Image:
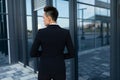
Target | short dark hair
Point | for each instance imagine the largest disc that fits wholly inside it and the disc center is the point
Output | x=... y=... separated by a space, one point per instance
x=51 y=11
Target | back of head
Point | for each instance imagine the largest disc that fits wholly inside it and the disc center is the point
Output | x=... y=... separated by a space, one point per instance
x=51 y=11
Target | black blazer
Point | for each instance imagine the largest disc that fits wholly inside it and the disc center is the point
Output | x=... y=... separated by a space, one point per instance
x=52 y=41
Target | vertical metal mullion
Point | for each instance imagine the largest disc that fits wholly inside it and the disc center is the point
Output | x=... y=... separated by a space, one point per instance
x=115 y=40
x=107 y=35
x=34 y=29
x=101 y=33
x=23 y=31
x=118 y=40
x=73 y=31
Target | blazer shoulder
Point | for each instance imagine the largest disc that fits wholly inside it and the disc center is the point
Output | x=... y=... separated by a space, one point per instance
x=41 y=30
x=65 y=30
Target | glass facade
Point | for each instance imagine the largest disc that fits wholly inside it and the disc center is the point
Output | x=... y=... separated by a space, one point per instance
x=106 y=1
x=93 y=27
x=3 y=29
x=102 y=11
x=40 y=19
x=63 y=8
x=29 y=32
x=40 y=22
x=87 y=1
x=93 y=31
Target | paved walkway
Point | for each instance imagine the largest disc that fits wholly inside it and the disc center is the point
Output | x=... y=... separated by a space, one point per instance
x=93 y=65
x=16 y=72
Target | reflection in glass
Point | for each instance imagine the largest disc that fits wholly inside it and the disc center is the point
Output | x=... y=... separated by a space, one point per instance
x=106 y=34
x=40 y=23
x=3 y=38
x=93 y=31
x=109 y=12
x=3 y=33
x=86 y=11
x=40 y=12
x=63 y=7
x=28 y=7
x=3 y=28
x=97 y=34
x=102 y=11
x=86 y=40
x=30 y=63
x=87 y=1
x=106 y=1
x=102 y=33
x=6 y=6
x=29 y=26
x=63 y=22
x=30 y=40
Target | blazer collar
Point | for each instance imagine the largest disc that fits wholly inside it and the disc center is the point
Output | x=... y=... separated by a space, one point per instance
x=53 y=26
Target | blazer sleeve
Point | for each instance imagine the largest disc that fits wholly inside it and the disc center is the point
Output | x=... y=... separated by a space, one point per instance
x=35 y=47
x=70 y=48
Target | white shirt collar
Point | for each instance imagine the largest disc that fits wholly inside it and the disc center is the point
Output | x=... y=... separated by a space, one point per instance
x=53 y=24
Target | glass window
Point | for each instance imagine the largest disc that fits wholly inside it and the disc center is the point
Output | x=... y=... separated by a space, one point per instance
x=3 y=6
x=85 y=11
x=101 y=33
x=63 y=9
x=6 y=6
x=91 y=34
x=3 y=33
x=31 y=61
x=87 y=1
x=29 y=40
x=106 y=34
x=40 y=23
x=101 y=11
x=107 y=1
x=62 y=6
x=28 y=7
x=108 y=12
x=63 y=22
x=40 y=12
x=29 y=26
x=98 y=32
x=86 y=39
